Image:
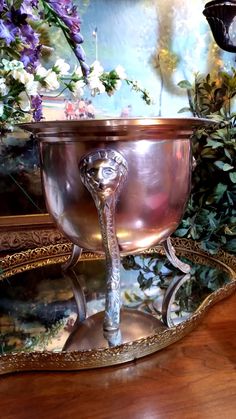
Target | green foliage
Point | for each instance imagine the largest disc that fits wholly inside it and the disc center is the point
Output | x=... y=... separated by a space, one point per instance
x=210 y=216
x=149 y=270
x=156 y=272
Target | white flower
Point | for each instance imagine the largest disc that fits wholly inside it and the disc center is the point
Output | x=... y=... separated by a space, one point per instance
x=1 y=108
x=61 y=67
x=41 y=71
x=51 y=81
x=77 y=72
x=121 y=72
x=97 y=69
x=96 y=86
x=22 y=75
x=77 y=88
x=11 y=65
x=32 y=87
x=3 y=87
x=24 y=102
x=49 y=78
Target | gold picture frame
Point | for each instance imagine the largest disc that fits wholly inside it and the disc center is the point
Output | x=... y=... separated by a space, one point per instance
x=23 y=232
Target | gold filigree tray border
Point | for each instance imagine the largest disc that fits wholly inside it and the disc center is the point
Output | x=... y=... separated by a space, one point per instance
x=78 y=360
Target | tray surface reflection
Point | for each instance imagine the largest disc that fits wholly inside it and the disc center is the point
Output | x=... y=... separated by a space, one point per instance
x=41 y=308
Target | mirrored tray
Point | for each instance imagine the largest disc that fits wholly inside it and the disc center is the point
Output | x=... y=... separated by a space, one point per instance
x=42 y=308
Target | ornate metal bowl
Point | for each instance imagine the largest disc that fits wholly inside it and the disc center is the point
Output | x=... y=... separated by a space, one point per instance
x=156 y=153
x=117 y=186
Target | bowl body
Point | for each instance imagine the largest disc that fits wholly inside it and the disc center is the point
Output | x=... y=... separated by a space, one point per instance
x=152 y=200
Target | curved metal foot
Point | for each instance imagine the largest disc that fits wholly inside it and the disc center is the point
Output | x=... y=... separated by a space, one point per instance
x=78 y=294
x=169 y=298
x=80 y=300
x=73 y=259
x=171 y=255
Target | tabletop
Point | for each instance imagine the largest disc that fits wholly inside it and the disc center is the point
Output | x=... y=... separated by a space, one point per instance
x=193 y=378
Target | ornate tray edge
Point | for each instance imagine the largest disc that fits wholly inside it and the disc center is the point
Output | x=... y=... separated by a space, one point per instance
x=37 y=361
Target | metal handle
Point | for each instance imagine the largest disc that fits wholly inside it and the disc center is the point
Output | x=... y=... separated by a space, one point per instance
x=103 y=172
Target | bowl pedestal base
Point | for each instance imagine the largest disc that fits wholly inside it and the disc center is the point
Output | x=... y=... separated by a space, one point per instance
x=134 y=325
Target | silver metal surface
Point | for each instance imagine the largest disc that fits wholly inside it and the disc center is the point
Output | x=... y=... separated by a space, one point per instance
x=73 y=259
x=103 y=173
x=78 y=293
x=134 y=325
x=153 y=198
x=170 y=296
x=171 y=255
x=135 y=211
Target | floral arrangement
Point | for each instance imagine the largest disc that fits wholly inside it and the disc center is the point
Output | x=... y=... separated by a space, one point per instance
x=23 y=79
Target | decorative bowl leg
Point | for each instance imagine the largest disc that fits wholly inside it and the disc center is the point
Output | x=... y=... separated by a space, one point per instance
x=104 y=172
x=171 y=255
x=73 y=259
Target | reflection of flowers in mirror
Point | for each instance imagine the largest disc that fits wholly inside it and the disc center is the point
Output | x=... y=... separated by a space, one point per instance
x=24 y=79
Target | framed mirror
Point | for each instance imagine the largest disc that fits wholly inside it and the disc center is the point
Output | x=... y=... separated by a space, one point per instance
x=42 y=308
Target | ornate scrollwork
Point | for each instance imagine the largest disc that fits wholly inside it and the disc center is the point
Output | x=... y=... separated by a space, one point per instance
x=27 y=239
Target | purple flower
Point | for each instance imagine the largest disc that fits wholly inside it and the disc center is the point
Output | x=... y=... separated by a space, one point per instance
x=36 y=104
x=30 y=57
x=77 y=38
x=7 y=32
x=27 y=7
x=28 y=35
x=16 y=19
x=79 y=52
x=67 y=12
x=2 y=6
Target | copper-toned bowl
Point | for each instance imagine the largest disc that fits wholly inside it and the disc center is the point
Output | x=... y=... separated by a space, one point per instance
x=118 y=186
x=153 y=197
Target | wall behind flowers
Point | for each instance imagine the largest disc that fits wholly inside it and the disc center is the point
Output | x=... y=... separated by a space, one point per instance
x=158 y=42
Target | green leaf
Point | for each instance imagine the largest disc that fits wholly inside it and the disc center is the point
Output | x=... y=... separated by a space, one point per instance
x=136 y=297
x=141 y=279
x=128 y=297
x=194 y=233
x=227 y=167
x=207 y=87
x=222 y=133
x=231 y=202
x=182 y=110
x=181 y=232
x=184 y=84
x=214 y=144
x=210 y=246
x=220 y=164
x=227 y=153
x=208 y=153
x=232 y=176
x=231 y=245
x=218 y=193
